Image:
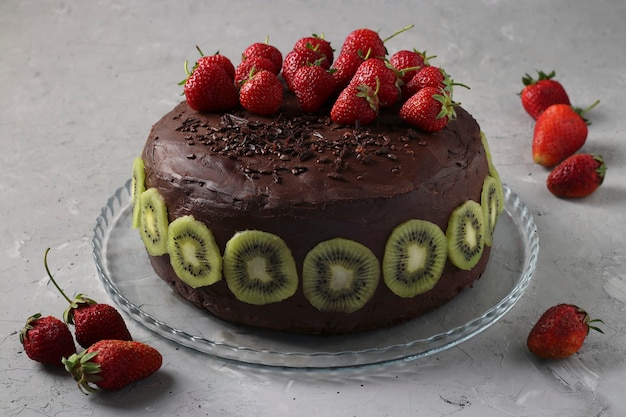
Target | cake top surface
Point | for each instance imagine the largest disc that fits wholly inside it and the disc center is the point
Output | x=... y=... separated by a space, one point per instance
x=306 y=158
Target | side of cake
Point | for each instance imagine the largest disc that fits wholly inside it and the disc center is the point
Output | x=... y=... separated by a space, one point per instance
x=298 y=222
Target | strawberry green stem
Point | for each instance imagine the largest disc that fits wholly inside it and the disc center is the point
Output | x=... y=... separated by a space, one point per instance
x=586 y=109
x=45 y=263
x=404 y=29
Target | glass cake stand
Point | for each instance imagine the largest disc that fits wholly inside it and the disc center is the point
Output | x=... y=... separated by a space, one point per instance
x=124 y=269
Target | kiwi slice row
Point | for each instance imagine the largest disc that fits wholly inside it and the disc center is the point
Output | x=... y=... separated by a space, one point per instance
x=338 y=275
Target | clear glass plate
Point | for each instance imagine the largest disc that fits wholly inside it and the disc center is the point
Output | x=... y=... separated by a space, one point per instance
x=124 y=268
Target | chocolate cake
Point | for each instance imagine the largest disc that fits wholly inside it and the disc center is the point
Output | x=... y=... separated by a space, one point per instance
x=295 y=223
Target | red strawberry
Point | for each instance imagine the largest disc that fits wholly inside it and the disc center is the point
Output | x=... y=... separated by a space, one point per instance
x=262 y=93
x=47 y=340
x=297 y=58
x=428 y=76
x=559 y=132
x=542 y=93
x=366 y=42
x=577 y=176
x=377 y=71
x=209 y=88
x=560 y=332
x=345 y=67
x=265 y=50
x=313 y=85
x=250 y=65
x=429 y=109
x=221 y=60
x=319 y=44
x=113 y=364
x=408 y=62
x=356 y=105
x=92 y=321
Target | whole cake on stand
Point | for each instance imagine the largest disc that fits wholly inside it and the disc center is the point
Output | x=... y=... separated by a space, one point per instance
x=295 y=219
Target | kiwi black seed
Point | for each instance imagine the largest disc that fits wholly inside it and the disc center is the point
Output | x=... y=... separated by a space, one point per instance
x=154 y=222
x=137 y=187
x=492 y=205
x=466 y=235
x=194 y=255
x=415 y=255
x=259 y=268
x=340 y=275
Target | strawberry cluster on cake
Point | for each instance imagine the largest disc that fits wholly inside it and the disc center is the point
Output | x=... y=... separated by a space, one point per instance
x=319 y=192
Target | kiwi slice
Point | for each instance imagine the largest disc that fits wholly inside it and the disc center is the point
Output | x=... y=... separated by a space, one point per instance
x=466 y=235
x=483 y=139
x=137 y=187
x=340 y=275
x=259 y=268
x=493 y=172
x=492 y=206
x=415 y=255
x=194 y=255
x=154 y=222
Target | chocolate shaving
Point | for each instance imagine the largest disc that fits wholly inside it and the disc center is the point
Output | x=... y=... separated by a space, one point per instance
x=293 y=140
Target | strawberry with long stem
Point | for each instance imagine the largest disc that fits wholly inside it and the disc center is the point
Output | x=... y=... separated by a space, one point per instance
x=92 y=321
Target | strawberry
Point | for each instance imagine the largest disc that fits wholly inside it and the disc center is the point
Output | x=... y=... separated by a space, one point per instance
x=542 y=93
x=47 y=339
x=209 y=88
x=345 y=67
x=559 y=132
x=560 y=332
x=313 y=85
x=297 y=58
x=250 y=65
x=356 y=105
x=92 y=321
x=262 y=93
x=428 y=76
x=112 y=364
x=221 y=60
x=429 y=109
x=577 y=176
x=319 y=44
x=265 y=50
x=409 y=63
x=366 y=42
x=377 y=71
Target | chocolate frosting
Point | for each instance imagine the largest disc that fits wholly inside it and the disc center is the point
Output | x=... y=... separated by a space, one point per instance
x=307 y=180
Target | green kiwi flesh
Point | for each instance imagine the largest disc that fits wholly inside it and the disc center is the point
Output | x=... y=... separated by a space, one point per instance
x=493 y=172
x=492 y=206
x=415 y=255
x=466 y=235
x=259 y=268
x=340 y=275
x=154 y=222
x=137 y=188
x=194 y=255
